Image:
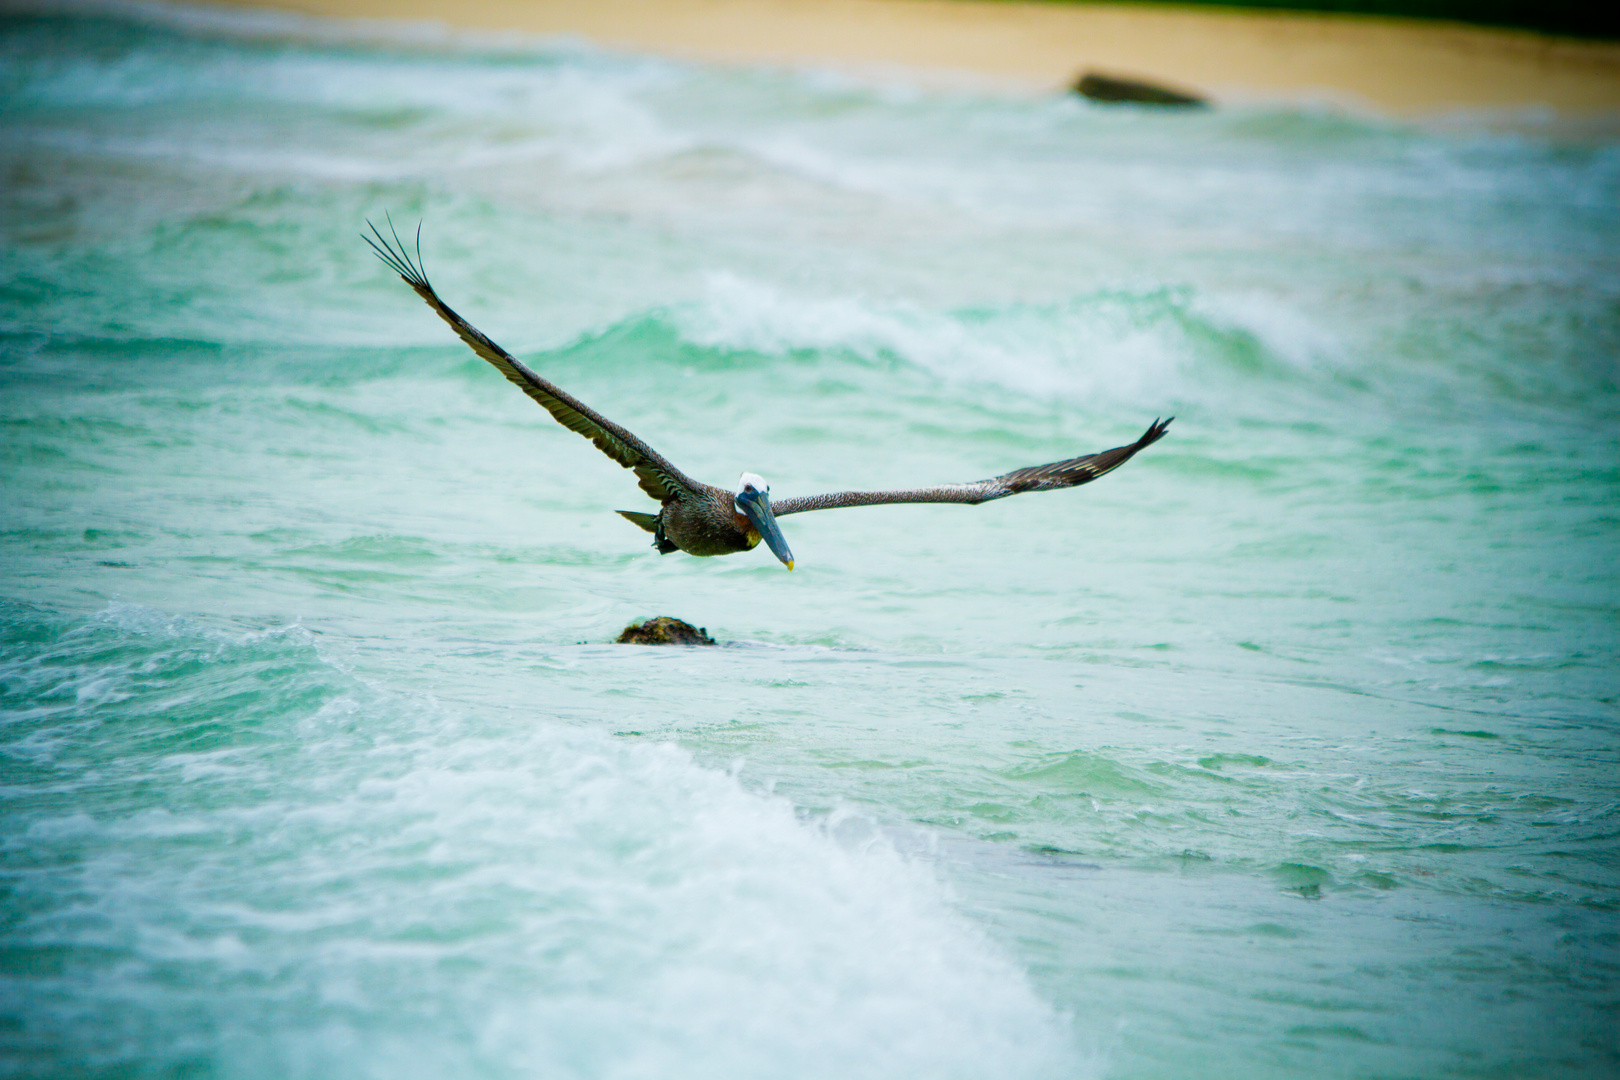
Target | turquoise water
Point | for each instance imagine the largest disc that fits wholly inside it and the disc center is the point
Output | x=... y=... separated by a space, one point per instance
x=1287 y=750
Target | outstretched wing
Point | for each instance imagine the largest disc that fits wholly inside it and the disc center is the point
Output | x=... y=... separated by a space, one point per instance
x=658 y=477
x=1059 y=474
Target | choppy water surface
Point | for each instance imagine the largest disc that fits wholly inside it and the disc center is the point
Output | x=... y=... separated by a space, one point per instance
x=1287 y=750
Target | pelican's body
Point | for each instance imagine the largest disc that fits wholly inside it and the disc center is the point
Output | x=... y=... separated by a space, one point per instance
x=704 y=521
x=707 y=523
x=701 y=519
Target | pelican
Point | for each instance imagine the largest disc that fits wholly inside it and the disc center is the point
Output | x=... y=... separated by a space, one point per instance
x=701 y=519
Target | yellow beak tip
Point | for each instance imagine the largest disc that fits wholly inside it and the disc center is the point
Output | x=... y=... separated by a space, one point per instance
x=790 y=564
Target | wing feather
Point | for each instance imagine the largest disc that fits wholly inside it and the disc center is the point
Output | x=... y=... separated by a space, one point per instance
x=658 y=478
x=1058 y=474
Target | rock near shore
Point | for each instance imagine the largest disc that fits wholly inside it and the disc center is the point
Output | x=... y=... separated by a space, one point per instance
x=1115 y=90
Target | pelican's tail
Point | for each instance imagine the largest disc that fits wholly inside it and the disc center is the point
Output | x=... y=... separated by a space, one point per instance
x=651 y=523
x=646 y=521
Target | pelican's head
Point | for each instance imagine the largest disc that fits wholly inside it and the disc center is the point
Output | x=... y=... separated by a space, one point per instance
x=754 y=502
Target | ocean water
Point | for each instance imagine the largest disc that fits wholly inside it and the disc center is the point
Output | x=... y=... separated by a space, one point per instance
x=1289 y=749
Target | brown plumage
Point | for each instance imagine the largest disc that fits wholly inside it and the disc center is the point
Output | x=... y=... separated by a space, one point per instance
x=701 y=519
x=1059 y=474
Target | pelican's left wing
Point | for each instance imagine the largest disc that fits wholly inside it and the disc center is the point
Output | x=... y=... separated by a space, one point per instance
x=1058 y=474
x=658 y=477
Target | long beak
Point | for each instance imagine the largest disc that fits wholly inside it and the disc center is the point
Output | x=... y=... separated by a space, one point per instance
x=757 y=507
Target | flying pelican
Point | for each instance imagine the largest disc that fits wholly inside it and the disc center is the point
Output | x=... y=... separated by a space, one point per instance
x=701 y=519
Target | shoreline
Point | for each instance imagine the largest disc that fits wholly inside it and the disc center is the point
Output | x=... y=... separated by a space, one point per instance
x=1406 y=68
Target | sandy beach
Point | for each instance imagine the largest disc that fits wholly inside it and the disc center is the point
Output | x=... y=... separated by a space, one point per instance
x=1395 y=66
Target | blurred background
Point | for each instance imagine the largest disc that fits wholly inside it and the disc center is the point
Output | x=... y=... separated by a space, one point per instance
x=1287 y=749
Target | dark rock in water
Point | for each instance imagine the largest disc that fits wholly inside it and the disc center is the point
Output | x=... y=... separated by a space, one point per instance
x=1107 y=88
x=665 y=631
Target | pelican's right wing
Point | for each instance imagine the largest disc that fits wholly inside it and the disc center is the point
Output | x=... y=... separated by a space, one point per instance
x=1059 y=474
x=658 y=477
